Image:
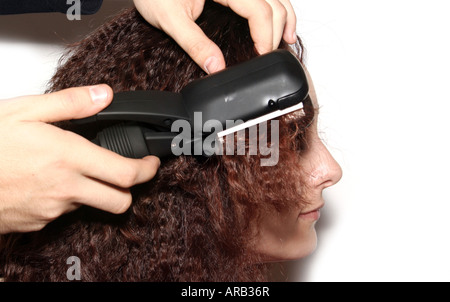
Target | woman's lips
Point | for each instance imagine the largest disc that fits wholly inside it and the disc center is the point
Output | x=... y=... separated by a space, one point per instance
x=311 y=215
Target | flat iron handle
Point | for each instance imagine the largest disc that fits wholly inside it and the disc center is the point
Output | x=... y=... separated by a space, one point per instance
x=158 y=108
x=134 y=141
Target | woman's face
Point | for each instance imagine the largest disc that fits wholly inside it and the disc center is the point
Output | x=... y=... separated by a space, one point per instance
x=291 y=234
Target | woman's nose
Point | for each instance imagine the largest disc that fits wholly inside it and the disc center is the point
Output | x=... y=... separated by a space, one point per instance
x=325 y=170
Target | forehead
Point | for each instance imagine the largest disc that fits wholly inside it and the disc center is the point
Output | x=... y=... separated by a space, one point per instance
x=312 y=90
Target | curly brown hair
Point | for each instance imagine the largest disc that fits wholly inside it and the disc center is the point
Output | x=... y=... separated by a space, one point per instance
x=197 y=219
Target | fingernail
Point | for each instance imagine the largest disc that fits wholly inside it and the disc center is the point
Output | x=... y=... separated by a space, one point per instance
x=211 y=65
x=99 y=94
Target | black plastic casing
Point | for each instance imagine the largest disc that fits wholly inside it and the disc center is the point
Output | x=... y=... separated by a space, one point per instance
x=267 y=83
x=248 y=90
x=241 y=92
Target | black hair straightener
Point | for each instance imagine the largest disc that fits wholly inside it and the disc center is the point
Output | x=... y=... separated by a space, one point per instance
x=260 y=89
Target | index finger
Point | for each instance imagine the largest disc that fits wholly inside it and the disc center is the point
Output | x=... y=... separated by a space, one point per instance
x=289 y=34
x=107 y=166
x=195 y=42
x=260 y=20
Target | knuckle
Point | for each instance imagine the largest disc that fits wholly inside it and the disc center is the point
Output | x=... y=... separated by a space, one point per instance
x=266 y=11
x=290 y=13
x=282 y=12
x=127 y=177
x=51 y=213
x=195 y=49
x=124 y=205
x=62 y=193
x=59 y=163
x=69 y=101
x=38 y=227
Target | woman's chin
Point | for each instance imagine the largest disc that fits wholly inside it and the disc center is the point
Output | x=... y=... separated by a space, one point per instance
x=292 y=251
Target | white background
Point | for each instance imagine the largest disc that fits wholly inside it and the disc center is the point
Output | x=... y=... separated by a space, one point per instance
x=381 y=71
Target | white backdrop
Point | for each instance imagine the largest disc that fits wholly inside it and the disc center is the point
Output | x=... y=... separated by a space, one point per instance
x=381 y=70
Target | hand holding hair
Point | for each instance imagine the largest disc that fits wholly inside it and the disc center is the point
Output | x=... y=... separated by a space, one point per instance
x=46 y=171
x=269 y=21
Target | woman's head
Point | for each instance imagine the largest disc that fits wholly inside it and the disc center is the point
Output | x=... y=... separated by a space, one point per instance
x=290 y=234
x=199 y=219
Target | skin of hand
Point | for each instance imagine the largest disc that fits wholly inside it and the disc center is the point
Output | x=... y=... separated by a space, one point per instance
x=46 y=171
x=269 y=22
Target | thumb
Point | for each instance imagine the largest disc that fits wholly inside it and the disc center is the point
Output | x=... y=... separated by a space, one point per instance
x=72 y=103
x=197 y=45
